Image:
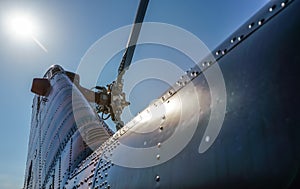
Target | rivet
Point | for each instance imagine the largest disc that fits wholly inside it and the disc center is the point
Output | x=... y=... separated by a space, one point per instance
x=282 y=4
x=272 y=8
x=157 y=178
x=251 y=25
x=232 y=40
x=159 y=145
x=224 y=51
x=261 y=22
x=157 y=156
x=161 y=128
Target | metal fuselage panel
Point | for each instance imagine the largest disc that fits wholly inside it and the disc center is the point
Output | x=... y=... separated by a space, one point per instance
x=56 y=146
x=257 y=147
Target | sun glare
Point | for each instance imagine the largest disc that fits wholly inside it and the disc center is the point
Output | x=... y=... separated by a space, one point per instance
x=21 y=25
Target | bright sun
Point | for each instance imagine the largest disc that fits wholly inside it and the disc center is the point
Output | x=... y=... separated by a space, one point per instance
x=21 y=25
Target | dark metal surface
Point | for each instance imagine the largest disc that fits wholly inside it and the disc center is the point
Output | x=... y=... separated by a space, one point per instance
x=258 y=146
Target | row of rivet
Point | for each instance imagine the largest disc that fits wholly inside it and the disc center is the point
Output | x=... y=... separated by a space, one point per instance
x=250 y=26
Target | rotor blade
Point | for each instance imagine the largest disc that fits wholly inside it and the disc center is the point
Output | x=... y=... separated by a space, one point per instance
x=135 y=31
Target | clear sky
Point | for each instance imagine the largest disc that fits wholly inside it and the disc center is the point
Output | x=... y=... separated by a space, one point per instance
x=67 y=29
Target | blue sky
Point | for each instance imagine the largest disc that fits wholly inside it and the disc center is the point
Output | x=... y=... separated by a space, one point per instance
x=67 y=29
